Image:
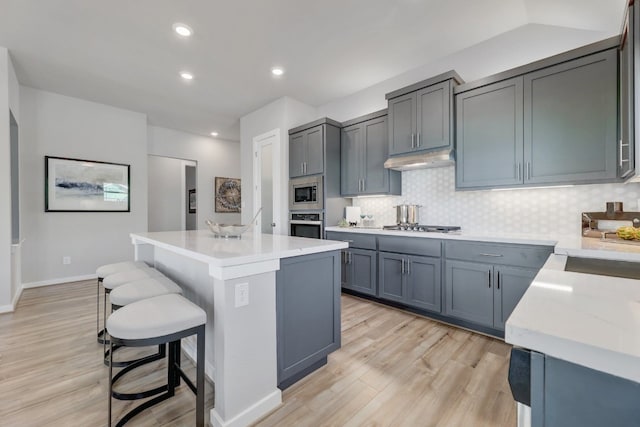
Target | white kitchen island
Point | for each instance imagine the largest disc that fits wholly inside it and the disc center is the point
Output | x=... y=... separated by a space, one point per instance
x=234 y=280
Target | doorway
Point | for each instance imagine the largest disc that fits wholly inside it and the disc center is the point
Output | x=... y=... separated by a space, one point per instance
x=266 y=182
x=172 y=203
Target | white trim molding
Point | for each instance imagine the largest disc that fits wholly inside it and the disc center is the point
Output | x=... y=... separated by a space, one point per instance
x=58 y=281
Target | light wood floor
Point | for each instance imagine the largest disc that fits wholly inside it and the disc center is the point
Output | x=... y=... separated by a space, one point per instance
x=394 y=369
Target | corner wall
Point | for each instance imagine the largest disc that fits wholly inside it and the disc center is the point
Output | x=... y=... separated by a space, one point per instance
x=5 y=186
x=215 y=157
x=57 y=125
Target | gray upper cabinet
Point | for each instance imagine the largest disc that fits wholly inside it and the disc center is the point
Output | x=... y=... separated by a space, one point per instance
x=402 y=128
x=551 y=122
x=421 y=115
x=489 y=135
x=433 y=113
x=626 y=148
x=306 y=152
x=570 y=121
x=363 y=150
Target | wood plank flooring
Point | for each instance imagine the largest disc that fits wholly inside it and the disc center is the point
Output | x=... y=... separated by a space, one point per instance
x=394 y=369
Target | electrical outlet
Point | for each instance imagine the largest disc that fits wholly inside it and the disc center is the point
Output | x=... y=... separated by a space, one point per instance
x=242 y=294
x=66 y=260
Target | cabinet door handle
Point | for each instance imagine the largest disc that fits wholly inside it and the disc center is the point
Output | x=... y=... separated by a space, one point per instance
x=491 y=255
x=402 y=266
x=302 y=168
x=364 y=185
x=529 y=170
x=498 y=278
x=408 y=267
x=350 y=254
x=489 y=278
x=418 y=140
x=413 y=140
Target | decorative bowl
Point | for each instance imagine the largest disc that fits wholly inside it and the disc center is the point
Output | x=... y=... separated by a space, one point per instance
x=230 y=230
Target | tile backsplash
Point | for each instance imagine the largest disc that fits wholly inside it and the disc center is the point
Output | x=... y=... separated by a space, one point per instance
x=535 y=211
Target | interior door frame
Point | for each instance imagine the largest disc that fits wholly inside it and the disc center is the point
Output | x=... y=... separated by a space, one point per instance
x=268 y=138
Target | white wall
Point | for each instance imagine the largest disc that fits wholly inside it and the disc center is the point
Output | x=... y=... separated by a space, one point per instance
x=62 y=126
x=214 y=157
x=511 y=49
x=165 y=193
x=284 y=113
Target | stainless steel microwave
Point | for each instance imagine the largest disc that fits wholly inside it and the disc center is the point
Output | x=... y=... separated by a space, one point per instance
x=306 y=193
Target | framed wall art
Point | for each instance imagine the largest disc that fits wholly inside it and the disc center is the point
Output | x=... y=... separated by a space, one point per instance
x=75 y=185
x=227 y=194
x=192 y=201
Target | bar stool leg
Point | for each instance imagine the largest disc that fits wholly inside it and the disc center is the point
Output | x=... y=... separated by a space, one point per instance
x=200 y=378
x=110 y=382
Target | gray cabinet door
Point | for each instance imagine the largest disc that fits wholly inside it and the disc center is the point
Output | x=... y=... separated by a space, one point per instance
x=434 y=116
x=375 y=151
x=423 y=283
x=469 y=291
x=489 y=135
x=296 y=154
x=314 y=151
x=510 y=285
x=570 y=121
x=402 y=124
x=363 y=269
x=307 y=311
x=392 y=284
x=350 y=160
x=626 y=149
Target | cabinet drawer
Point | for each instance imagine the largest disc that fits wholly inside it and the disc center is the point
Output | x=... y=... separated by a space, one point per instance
x=355 y=240
x=410 y=245
x=507 y=254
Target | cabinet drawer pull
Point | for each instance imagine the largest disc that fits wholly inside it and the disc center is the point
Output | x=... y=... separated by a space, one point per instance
x=491 y=255
x=348 y=241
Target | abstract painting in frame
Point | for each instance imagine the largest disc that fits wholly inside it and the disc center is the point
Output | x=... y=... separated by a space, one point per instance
x=76 y=185
x=228 y=195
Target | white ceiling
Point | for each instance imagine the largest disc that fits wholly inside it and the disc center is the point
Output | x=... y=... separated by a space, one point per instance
x=124 y=53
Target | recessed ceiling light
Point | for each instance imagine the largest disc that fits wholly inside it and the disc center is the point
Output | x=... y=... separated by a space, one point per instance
x=186 y=75
x=214 y=133
x=277 y=71
x=182 y=30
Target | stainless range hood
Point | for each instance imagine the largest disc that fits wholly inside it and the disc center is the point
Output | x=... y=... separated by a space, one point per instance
x=432 y=159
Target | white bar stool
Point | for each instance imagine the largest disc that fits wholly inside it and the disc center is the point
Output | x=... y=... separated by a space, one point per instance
x=104 y=271
x=145 y=323
x=135 y=291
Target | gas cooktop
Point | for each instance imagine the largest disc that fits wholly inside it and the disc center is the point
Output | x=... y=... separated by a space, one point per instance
x=423 y=228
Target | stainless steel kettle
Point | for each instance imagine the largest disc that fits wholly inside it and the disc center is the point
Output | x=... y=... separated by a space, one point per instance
x=407 y=214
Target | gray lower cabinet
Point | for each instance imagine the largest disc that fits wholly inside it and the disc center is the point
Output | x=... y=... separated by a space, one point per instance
x=412 y=280
x=469 y=291
x=485 y=281
x=359 y=270
x=364 y=147
x=308 y=313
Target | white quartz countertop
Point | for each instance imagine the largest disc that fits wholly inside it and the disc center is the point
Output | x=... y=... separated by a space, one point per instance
x=587 y=319
x=571 y=245
x=251 y=248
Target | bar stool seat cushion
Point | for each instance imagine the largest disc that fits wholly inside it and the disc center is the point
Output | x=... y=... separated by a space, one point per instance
x=115 y=280
x=118 y=267
x=155 y=317
x=143 y=289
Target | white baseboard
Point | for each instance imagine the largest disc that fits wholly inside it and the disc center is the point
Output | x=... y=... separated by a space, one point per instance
x=17 y=296
x=6 y=308
x=251 y=414
x=9 y=308
x=58 y=281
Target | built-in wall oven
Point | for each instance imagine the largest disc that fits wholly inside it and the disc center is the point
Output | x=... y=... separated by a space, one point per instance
x=307 y=225
x=306 y=194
